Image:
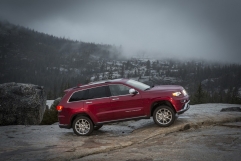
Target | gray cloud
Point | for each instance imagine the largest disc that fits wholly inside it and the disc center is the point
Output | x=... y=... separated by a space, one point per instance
x=208 y=29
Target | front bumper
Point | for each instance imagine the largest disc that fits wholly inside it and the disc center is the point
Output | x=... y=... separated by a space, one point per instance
x=185 y=108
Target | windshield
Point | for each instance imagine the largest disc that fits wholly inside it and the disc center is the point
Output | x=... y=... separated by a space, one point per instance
x=138 y=85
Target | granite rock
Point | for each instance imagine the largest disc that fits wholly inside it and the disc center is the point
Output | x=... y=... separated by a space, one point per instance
x=21 y=104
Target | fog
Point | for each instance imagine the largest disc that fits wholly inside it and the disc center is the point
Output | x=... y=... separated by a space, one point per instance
x=207 y=29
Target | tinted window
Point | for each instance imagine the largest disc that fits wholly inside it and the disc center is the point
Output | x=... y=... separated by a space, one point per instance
x=77 y=96
x=119 y=89
x=98 y=92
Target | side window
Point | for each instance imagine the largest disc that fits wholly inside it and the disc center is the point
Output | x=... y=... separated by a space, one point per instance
x=78 y=96
x=119 y=89
x=98 y=92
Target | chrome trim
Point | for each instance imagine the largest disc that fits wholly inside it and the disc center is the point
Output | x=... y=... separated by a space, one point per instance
x=101 y=97
x=131 y=118
x=124 y=95
x=88 y=99
x=137 y=110
x=63 y=124
x=186 y=107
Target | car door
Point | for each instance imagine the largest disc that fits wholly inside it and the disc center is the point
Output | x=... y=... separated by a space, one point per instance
x=98 y=103
x=124 y=104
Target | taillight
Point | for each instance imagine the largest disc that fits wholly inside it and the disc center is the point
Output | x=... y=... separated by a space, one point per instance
x=59 y=108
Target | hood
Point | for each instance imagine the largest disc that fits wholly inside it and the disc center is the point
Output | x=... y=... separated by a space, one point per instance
x=166 y=88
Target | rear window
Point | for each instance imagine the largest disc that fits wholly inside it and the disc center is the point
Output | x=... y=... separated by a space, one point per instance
x=78 y=96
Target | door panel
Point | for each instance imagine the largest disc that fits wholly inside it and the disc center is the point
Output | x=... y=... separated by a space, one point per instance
x=100 y=108
x=98 y=103
x=125 y=105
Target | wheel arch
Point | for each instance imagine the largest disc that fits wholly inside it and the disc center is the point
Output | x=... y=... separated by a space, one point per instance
x=80 y=114
x=160 y=103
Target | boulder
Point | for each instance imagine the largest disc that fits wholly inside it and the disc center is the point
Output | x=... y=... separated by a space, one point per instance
x=21 y=104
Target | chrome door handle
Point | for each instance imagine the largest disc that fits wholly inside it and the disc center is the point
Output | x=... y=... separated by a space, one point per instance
x=115 y=99
x=88 y=102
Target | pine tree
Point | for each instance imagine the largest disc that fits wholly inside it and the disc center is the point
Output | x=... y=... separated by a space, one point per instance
x=127 y=64
x=135 y=73
x=235 y=96
x=110 y=74
x=51 y=114
x=148 y=64
x=55 y=92
x=228 y=98
x=123 y=71
x=49 y=95
x=199 y=96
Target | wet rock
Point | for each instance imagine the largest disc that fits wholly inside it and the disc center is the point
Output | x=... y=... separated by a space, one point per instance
x=228 y=109
x=21 y=104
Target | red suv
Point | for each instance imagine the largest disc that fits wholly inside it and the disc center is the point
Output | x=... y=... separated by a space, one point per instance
x=88 y=107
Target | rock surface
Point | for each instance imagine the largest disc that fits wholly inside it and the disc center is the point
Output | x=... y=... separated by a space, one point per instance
x=210 y=143
x=21 y=104
x=50 y=143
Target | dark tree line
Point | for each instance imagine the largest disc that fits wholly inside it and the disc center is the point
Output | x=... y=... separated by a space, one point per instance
x=203 y=96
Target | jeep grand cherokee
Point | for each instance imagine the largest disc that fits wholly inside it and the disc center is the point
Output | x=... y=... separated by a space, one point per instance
x=88 y=107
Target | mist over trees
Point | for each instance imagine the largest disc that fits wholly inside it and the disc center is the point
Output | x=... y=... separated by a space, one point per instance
x=27 y=56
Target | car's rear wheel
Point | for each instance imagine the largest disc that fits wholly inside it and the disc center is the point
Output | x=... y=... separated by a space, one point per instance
x=82 y=126
x=164 y=116
x=97 y=127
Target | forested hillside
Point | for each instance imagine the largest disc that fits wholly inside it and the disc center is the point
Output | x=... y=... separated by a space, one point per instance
x=27 y=56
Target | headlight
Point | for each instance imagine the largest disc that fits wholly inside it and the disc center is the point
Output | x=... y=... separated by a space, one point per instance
x=184 y=92
x=176 y=94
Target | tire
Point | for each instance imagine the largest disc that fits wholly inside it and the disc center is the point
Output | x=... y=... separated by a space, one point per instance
x=97 y=127
x=82 y=126
x=164 y=116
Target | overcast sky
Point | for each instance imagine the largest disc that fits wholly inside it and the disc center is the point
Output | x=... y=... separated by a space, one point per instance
x=208 y=29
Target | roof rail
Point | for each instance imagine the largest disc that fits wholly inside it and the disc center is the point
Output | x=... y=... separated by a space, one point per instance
x=96 y=82
x=104 y=81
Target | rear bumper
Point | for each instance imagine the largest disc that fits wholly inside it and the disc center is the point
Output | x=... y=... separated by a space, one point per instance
x=185 y=108
x=64 y=126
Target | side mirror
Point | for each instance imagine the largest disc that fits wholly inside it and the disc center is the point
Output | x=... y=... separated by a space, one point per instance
x=132 y=91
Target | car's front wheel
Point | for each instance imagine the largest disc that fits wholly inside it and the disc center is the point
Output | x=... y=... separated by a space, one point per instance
x=164 y=116
x=82 y=126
